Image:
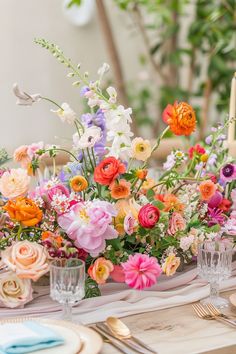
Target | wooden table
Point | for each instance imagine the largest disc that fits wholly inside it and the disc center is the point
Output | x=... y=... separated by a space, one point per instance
x=179 y=331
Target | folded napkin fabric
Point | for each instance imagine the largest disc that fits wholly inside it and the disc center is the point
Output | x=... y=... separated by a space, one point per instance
x=26 y=337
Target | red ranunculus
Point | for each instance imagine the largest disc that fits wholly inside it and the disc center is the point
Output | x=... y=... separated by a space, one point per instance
x=197 y=149
x=108 y=170
x=148 y=216
x=225 y=205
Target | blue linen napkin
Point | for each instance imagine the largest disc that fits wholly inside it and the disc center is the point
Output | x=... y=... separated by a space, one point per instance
x=25 y=337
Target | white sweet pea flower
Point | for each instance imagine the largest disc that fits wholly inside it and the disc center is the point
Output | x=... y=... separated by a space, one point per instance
x=103 y=69
x=112 y=94
x=66 y=114
x=23 y=98
x=88 y=139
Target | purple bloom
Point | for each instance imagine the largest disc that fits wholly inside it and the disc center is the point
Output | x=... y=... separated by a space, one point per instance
x=228 y=173
x=208 y=139
x=212 y=159
x=97 y=120
x=83 y=90
x=70 y=170
x=215 y=216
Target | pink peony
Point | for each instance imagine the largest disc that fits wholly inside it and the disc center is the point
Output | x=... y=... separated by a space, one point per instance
x=58 y=189
x=89 y=224
x=148 y=216
x=176 y=223
x=141 y=271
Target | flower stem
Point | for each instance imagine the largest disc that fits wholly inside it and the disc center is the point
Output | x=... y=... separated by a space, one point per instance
x=49 y=100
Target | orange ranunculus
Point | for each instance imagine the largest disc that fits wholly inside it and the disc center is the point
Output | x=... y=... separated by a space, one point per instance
x=141 y=174
x=207 y=189
x=180 y=117
x=171 y=202
x=108 y=170
x=120 y=189
x=24 y=210
x=78 y=183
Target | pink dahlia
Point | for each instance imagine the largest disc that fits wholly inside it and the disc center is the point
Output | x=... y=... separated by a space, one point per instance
x=141 y=271
x=89 y=224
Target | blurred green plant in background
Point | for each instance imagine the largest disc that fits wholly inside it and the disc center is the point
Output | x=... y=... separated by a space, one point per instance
x=181 y=37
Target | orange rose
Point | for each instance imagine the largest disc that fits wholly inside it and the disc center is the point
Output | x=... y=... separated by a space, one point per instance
x=78 y=183
x=180 y=117
x=207 y=189
x=24 y=210
x=120 y=189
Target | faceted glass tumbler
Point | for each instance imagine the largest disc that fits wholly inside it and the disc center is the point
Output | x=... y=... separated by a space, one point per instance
x=214 y=264
x=67 y=283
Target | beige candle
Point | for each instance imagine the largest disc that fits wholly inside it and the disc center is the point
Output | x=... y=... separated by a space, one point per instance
x=232 y=110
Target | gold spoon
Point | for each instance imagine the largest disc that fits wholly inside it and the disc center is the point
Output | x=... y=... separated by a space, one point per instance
x=120 y=330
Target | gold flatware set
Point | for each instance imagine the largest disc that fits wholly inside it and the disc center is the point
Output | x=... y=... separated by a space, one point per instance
x=115 y=332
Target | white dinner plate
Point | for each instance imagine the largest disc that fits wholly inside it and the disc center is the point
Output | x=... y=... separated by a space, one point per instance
x=78 y=339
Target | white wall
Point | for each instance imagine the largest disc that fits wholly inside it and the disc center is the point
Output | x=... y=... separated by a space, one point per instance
x=37 y=71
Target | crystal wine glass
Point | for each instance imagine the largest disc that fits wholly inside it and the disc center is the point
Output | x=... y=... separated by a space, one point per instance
x=67 y=283
x=214 y=264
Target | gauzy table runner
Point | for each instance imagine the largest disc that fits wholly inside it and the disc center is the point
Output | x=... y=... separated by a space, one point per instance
x=119 y=300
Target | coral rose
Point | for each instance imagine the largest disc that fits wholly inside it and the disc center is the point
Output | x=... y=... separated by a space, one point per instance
x=24 y=210
x=14 y=183
x=171 y=202
x=141 y=271
x=207 y=189
x=148 y=216
x=176 y=223
x=141 y=149
x=78 y=183
x=21 y=155
x=180 y=117
x=29 y=260
x=14 y=292
x=171 y=264
x=100 y=270
x=108 y=170
x=120 y=189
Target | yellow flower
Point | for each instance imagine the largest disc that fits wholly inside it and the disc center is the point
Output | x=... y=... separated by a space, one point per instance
x=171 y=264
x=204 y=158
x=78 y=183
x=141 y=149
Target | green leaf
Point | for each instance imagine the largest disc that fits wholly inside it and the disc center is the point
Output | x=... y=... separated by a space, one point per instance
x=158 y=204
x=91 y=288
x=150 y=194
x=74 y=2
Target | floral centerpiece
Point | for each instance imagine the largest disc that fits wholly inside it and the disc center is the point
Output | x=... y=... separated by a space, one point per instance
x=105 y=206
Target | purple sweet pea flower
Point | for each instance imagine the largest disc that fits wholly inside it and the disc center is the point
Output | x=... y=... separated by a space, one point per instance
x=83 y=90
x=208 y=139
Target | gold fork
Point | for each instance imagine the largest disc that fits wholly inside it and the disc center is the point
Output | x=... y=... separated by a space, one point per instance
x=204 y=314
x=214 y=311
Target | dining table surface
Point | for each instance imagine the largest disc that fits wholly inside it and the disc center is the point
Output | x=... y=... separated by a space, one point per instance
x=178 y=330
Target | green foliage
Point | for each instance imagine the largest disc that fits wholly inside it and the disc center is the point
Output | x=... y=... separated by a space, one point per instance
x=74 y=2
x=209 y=38
x=91 y=288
